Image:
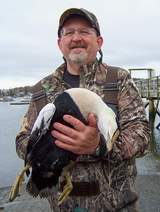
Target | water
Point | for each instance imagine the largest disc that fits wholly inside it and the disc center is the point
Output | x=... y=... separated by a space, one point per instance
x=10 y=119
x=10 y=165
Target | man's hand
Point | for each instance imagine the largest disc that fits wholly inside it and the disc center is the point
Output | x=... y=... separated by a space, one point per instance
x=80 y=140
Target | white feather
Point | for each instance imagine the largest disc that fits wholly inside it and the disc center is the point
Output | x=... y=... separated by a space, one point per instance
x=44 y=117
x=90 y=102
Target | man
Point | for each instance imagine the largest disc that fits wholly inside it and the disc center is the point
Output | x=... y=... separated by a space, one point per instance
x=109 y=176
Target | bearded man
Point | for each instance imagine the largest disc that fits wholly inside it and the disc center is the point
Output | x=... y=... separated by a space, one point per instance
x=109 y=176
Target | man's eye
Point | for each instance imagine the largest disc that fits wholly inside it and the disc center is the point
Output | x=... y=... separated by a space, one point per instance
x=69 y=33
x=84 y=32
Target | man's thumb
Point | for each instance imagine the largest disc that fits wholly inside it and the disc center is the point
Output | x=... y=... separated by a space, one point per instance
x=92 y=121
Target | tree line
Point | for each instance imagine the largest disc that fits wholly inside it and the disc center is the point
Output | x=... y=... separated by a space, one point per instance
x=17 y=91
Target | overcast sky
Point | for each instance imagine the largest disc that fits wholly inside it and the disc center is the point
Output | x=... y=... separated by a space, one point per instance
x=28 y=36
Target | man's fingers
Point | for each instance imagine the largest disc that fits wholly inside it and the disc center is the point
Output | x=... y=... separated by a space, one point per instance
x=77 y=124
x=62 y=137
x=64 y=129
x=64 y=146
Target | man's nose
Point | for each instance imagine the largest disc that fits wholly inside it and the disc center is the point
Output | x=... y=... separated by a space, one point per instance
x=76 y=36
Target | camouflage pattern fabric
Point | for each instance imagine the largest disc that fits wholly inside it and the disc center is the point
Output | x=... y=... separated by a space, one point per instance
x=116 y=172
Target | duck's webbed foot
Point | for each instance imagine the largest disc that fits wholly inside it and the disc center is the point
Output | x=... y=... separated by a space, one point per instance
x=68 y=186
x=15 y=189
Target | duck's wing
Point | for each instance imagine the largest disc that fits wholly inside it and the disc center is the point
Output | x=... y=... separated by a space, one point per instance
x=40 y=128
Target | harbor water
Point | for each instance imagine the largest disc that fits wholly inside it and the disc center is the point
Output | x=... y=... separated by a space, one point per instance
x=10 y=119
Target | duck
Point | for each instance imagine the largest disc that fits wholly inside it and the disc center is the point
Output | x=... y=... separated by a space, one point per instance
x=44 y=158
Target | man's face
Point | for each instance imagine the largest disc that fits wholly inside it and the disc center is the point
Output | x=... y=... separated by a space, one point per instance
x=79 y=42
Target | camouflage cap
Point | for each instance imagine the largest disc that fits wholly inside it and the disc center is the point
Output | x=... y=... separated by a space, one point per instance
x=90 y=17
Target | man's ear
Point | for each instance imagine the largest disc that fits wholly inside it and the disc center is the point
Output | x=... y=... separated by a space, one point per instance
x=59 y=42
x=99 y=41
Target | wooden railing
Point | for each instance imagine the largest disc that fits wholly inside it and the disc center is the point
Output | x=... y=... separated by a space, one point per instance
x=149 y=88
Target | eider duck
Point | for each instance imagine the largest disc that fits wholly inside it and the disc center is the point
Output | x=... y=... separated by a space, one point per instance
x=48 y=161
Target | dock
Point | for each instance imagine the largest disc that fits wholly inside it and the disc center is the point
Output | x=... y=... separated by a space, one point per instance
x=147 y=188
x=149 y=90
x=19 y=103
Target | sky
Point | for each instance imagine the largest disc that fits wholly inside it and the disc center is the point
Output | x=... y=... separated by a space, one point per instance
x=28 y=36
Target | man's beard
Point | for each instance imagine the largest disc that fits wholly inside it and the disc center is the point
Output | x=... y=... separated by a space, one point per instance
x=78 y=59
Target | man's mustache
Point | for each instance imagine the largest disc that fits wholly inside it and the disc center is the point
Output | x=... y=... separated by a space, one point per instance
x=72 y=46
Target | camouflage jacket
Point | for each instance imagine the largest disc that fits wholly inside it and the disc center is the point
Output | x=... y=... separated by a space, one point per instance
x=116 y=172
